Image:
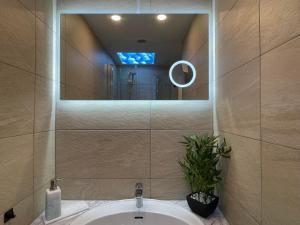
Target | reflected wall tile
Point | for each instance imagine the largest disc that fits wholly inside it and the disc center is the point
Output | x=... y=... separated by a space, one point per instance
x=101 y=189
x=180 y=115
x=17 y=45
x=16 y=170
x=173 y=189
x=44 y=105
x=81 y=37
x=180 y=6
x=76 y=65
x=238 y=39
x=44 y=158
x=281 y=183
x=75 y=93
x=16 y=100
x=280 y=21
x=196 y=37
x=103 y=154
x=281 y=94
x=103 y=115
x=238 y=101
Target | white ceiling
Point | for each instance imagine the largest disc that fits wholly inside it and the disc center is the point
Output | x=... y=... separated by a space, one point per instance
x=164 y=38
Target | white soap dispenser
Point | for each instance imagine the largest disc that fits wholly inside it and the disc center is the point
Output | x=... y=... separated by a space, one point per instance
x=53 y=201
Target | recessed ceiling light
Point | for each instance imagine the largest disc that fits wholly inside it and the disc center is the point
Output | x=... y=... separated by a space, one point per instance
x=116 y=17
x=161 y=17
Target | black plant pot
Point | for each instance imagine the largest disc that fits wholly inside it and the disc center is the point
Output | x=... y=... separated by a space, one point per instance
x=203 y=210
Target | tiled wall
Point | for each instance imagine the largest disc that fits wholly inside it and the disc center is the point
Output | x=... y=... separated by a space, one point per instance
x=258 y=108
x=27 y=112
x=104 y=148
x=81 y=53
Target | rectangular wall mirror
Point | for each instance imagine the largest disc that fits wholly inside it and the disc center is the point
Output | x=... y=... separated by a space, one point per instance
x=134 y=57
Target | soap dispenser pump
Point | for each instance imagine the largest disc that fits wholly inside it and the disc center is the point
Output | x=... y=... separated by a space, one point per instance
x=53 y=201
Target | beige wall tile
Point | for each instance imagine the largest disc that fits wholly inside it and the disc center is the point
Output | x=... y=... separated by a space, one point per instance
x=166 y=151
x=103 y=115
x=44 y=105
x=24 y=212
x=181 y=115
x=40 y=200
x=103 y=154
x=44 y=158
x=44 y=11
x=44 y=50
x=223 y=8
x=103 y=189
x=17 y=45
x=174 y=189
x=1 y=219
x=234 y=212
x=280 y=185
x=238 y=39
x=29 y=4
x=16 y=170
x=242 y=173
x=280 y=21
x=238 y=101
x=280 y=95
x=16 y=100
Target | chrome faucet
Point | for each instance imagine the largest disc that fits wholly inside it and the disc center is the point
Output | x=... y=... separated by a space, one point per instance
x=139 y=195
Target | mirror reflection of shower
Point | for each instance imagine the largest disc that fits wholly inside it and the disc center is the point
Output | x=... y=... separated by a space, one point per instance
x=131 y=59
x=131 y=83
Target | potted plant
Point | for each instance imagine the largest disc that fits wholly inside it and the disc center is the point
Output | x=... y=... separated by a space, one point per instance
x=200 y=167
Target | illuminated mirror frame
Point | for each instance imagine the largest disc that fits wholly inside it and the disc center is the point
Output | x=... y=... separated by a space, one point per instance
x=193 y=76
x=58 y=10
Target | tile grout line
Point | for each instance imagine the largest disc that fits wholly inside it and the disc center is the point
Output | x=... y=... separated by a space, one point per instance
x=256 y=57
x=34 y=108
x=18 y=67
x=263 y=141
x=222 y=20
x=260 y=113
x=281 y=44
x=260 y=105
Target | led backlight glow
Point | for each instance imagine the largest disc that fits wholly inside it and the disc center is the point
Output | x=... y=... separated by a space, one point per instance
x=134 y=58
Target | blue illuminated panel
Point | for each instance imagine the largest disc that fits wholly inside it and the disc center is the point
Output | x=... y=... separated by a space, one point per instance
x=133 y=58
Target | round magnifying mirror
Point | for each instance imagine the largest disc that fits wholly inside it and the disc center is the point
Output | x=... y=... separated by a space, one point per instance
x=182 y=74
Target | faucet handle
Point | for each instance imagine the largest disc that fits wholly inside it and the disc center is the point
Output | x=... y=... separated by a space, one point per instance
x=139 y=186
x=139 y=190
